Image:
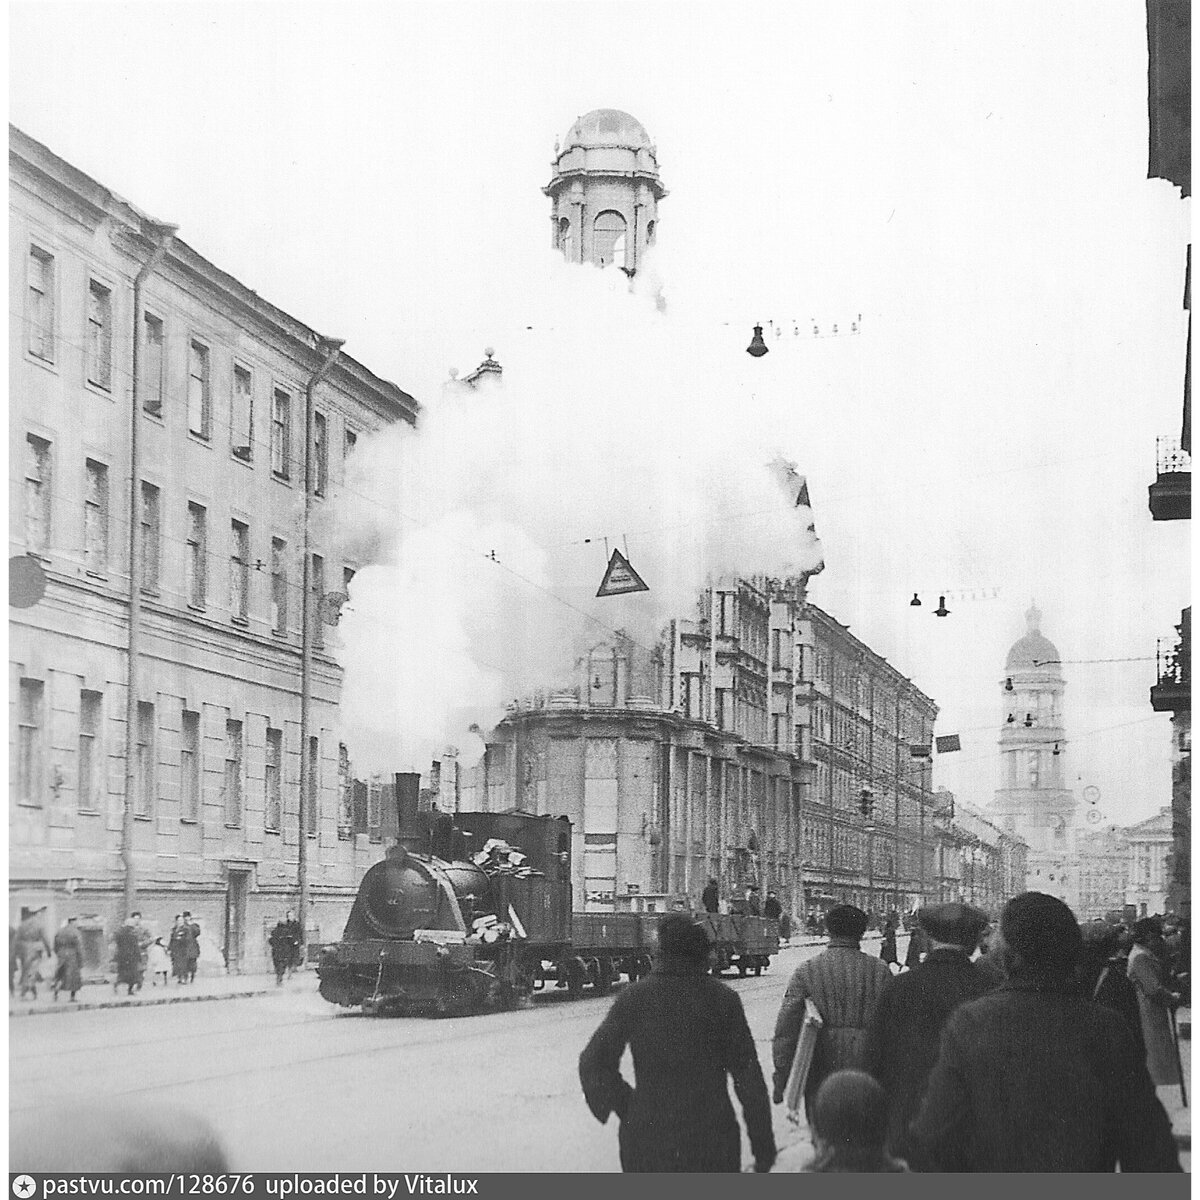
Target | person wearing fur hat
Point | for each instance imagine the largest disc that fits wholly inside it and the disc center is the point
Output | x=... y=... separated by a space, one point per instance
x=902 y=1039
x=687 y=1033
x=1034 y=1077
x=850 y=1126
x=845 y=985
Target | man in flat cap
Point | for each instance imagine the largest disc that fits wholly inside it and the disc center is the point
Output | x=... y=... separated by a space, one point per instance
x=844 y=984
x=1034 y=1076
x=902 y=1039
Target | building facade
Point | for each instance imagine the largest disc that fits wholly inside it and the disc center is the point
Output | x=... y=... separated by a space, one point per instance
x=1033 y=801
x=1103 y=873
x=1150 y=851
x=216 y=520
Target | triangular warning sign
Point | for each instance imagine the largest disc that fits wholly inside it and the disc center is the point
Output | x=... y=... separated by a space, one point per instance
x=620 y=577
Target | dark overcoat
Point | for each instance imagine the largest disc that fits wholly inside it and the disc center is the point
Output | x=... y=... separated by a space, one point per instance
x=1034 y=1077
x=845 y=985
x=902 y=1039
x=68 y=950
x=687 y=1033
x=130 y=964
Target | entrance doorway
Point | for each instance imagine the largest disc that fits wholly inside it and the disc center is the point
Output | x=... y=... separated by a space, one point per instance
x=236 y=895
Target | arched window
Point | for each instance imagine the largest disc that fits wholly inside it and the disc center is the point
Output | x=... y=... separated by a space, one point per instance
x=608 y=239
x=564 y=237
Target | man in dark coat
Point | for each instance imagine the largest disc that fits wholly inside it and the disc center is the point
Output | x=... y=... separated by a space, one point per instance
x=687 y=1033
x=190 y=944
x=902 y=1039
x=297 y=936
x=131 y=964
x=1032 y=1076
x=887 y=945
x=68 y=950
x=710 y=897
x=1156 y=1001
x=32 y=946
x=845 y=985
x=177 y=950
x=283 y=948
x=772 y=909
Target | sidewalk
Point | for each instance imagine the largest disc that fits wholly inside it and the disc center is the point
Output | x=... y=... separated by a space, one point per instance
x=206 y=987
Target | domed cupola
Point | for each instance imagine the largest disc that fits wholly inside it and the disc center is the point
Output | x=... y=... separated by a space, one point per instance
x=605 y=191
x=1033 y=652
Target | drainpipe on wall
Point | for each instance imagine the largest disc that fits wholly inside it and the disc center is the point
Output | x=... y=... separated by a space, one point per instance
x=329 y=348
x=162 y=234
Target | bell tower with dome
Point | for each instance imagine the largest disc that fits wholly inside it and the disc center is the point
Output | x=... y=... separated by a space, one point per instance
x=1032 y=800
x=605 y=191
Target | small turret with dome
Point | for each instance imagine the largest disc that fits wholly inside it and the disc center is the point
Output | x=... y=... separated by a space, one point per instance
x=605 y=191
x=1033 y=652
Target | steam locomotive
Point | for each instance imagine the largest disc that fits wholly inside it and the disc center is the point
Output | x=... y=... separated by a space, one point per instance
x=473 y=912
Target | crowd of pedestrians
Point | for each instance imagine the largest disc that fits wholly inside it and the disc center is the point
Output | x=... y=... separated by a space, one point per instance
x=1033 y=1045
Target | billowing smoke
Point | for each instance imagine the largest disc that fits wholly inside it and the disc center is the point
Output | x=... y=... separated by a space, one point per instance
x=617 y=419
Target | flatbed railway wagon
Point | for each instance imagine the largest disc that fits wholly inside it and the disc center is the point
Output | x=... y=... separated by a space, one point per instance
x=433 y=930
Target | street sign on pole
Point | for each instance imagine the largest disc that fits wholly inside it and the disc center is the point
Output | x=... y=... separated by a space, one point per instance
x=620 y=578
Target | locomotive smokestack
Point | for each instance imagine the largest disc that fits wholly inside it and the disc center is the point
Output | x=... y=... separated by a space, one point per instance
x=410 y=834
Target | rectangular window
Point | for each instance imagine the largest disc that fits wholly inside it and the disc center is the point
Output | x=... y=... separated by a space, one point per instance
x=152 y=380
x=239 y=571
x=95 y=517
x=189 y=767
x=151 y=539
x=279 y=585
x=91 y=751
x=41 y=304
x=318 y=592
x=37 y=494
x=144 y=761
x=345 y=793
x=29 y=741
x=314 y=785
x=320 y=451
x=281 y=434
x=99 y=340
x=233 y=773
x=272 y=782
x=348 y=444
x=242 y=422
x=199 y=395
x=197 y=554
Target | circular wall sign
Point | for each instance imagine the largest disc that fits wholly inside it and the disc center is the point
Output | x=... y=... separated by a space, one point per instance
x=26 y=581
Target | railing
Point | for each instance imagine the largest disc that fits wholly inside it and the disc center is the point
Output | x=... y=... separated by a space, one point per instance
x=1171 y=458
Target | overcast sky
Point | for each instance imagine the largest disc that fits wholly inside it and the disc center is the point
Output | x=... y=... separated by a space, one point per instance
x=969 y=178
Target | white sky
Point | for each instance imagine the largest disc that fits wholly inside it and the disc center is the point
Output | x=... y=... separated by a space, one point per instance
x=969 y=178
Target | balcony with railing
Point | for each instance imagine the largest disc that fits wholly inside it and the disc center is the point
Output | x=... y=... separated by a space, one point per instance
x=1171 y=492
x=1173 y=691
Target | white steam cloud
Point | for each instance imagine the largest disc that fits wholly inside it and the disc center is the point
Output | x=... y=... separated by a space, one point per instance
x=487 y=525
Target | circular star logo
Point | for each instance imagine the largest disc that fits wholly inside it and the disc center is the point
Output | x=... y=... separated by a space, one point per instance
x=24 y=1187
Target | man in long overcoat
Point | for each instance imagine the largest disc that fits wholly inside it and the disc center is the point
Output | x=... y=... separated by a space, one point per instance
x=710 y=897
x=688 y=1034
x=1155 y=1000
x=283 y=948
x=68 y=950
x=176 y=949
x=845 y=985
x=190 y=944
x=131 y=963
x=902 y=1039
x=1034 y=1077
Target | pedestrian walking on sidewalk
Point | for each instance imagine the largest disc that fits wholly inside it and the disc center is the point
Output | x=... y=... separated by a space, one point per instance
x=887 y=946
x=902 y=1039
x=131 y=966
x=68 y=953
x=158 y=962
x=177 y=950
x=688 y=1034
x=32 y=947
x=1034 y=1077
x=190 y=944
x=283 y=948
x=1156 y=1001
x=710 y=897
x=296 y=933
x=850 y=1126
x=845 y=985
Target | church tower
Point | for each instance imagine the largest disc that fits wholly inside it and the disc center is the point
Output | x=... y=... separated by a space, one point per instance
x=605 y=191
x=1032 y=800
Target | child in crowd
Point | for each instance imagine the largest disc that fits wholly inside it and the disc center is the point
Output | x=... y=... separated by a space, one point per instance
x=158 y=962
x=850 y=1124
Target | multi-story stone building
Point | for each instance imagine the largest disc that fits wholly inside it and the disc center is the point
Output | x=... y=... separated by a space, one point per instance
x=977 y=861
x=1103 y=873
x=1173 y=693
x=1150 y=850
x=215 y=517
x=1033 y=801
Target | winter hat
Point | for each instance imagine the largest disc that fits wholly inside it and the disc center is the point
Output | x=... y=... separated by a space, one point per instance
x=1043 y=931
x=844 y=920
